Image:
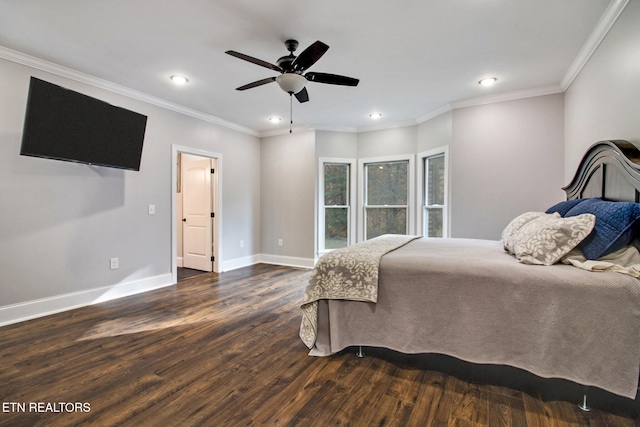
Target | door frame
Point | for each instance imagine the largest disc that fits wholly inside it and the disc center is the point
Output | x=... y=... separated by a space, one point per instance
x=217 y=205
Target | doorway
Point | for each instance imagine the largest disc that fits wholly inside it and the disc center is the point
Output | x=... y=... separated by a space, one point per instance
x=196 y=209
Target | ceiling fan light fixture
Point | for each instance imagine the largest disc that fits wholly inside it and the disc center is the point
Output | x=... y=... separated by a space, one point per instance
x=291 y=83
x=488 y=81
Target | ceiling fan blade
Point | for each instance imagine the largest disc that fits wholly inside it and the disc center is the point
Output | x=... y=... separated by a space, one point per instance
x=303 y=95
x=332 y=79
x=258 y=83
x=309 y=56
x=255 y=60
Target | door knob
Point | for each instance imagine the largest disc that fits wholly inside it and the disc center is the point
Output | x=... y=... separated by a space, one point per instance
x=184 y=219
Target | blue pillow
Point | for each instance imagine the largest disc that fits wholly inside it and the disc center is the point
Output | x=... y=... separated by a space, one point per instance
x=563 y=207
x=616 y=225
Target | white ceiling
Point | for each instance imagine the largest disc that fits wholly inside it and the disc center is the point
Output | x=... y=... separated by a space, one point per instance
x=413 y=57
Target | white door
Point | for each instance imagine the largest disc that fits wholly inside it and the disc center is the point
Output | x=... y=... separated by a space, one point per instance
x=197 y=230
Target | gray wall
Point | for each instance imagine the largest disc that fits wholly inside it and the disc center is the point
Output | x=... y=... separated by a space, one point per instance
x=506 y=159
x=337 y=144
x=61 y=222
x=436 y=132
x=287 y=188
x=387 y=142
x=603 y=102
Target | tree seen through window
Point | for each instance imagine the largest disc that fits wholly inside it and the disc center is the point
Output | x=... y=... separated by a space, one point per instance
x=387 y=194
x=336 y=205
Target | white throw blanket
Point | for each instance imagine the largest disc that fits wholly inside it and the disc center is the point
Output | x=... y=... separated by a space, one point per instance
x=625 y=261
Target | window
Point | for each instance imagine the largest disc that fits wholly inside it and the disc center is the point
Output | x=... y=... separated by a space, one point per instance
x=434 y=193
x=336 y=195
x=386 y=198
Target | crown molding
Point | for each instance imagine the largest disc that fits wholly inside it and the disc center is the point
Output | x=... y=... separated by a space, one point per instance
x=283 y=131
x=385 y=126
x=433 y=114
x=59 y=70
x=609 y=17
x=305 y=128
x=491 y=99
x=508 y=96
x=345 y=129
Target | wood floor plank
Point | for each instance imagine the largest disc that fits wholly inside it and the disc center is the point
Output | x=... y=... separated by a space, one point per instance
x=537 y=413
x=473 y=407
x=429 y=399
x=223 y=349
x=286 y=396
x=356 y=409
x=339 y=387
x=506 y=411
x=397 y=403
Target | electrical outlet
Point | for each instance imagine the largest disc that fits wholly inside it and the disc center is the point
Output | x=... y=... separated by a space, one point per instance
x=152 y=209
x=113 y=263
x=280 y=243
x=242 y=243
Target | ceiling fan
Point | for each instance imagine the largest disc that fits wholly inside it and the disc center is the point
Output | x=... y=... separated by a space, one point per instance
x=292 y=78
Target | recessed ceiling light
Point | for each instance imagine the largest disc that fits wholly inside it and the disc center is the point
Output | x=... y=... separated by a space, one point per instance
x=179 y=80
x=375 y=115
x=275 y=119
x=488 y=81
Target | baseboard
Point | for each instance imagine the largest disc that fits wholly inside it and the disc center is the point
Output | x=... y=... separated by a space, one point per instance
x=179 y=261
x=267 y=259
x=43 y=307
x=239 y=263
x=287 y=260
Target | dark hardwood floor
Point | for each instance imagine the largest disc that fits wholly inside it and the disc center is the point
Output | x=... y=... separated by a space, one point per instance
x=223 y=350
x=187 y=273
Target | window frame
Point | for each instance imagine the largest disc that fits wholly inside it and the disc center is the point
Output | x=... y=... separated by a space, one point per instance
x=351 y=212
x=362 y=190
x=422 y=189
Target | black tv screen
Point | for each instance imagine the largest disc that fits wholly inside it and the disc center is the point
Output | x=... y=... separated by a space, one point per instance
x=65 y=125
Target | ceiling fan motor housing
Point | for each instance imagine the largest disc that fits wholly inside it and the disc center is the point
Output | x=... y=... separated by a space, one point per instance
x=285 y=62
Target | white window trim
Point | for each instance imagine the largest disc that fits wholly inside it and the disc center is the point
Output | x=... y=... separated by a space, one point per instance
x=320 y=250
x=411 y=227
x=420 y=177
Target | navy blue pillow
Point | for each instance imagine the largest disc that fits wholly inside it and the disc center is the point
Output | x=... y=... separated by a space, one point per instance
x=616 y=225
x=563 y=207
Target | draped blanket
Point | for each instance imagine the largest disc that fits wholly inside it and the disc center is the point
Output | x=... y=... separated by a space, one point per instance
x=349 y=273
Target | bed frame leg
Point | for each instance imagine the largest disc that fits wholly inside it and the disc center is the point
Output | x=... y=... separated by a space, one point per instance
x=584 y=405
x=360 y=353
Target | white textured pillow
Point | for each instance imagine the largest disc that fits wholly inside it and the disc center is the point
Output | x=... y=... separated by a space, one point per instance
x=545 y=240
x=517 y=223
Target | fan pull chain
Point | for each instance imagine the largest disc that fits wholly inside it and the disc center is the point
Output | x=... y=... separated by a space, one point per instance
x=290 y=112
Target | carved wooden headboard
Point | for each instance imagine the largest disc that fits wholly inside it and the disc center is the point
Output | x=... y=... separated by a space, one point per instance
x=609 y=169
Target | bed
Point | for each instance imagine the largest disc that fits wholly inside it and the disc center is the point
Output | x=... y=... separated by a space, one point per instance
x=471 y=299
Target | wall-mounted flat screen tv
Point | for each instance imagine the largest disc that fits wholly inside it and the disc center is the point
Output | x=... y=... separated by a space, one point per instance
x=65 y=125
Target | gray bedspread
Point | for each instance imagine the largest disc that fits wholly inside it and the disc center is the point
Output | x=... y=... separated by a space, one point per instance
x=471 y=300
x=349 y=273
